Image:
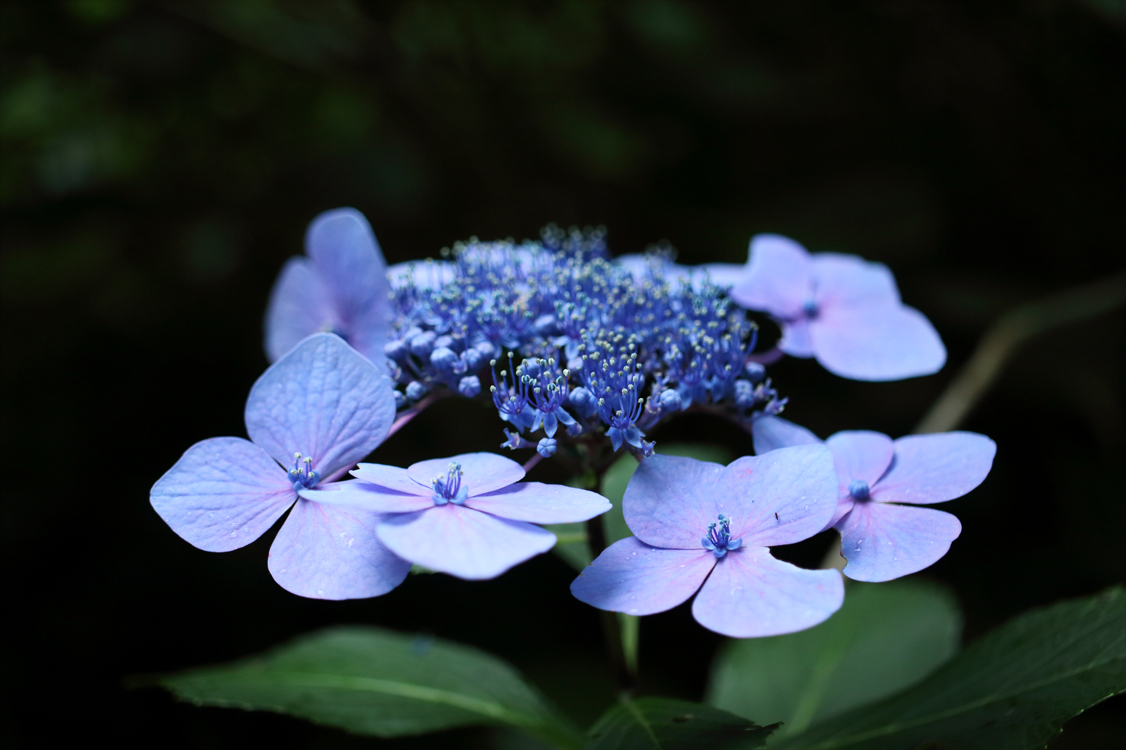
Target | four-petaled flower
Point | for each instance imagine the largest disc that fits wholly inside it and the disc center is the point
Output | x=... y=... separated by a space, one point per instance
x=320 y=408
x=840 y=309
x=702 y=526
x=469 y=515
x=883 y=536
x=341 y=287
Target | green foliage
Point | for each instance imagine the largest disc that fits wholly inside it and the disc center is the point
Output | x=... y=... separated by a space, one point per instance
x=1011 y=690
x=886 y=637
x=662 y=724
x=376 y=682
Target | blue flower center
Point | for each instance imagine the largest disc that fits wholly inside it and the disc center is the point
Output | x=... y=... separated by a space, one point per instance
x=858 y=490
x=448 y=488
x=302 y=475
x=719 y=541
x=810 y=309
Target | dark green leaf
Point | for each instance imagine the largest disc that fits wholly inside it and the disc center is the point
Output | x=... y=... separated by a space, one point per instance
x=662 y=724
x=886 y=637
x=377 y=682
x=1011 y=690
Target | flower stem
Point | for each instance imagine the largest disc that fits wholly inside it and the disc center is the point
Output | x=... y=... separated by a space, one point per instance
x=623 y=669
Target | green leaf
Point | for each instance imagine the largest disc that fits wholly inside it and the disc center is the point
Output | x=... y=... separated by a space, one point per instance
x=662 y=724
x=572 y=544
x=886 y=637
x=1011 y=690
x=377 y=682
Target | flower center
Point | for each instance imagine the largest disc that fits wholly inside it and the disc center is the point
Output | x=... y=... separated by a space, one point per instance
x=858 y=490
x=810 y=309
x=448 y=488
x=719 y=541
x=302 y=475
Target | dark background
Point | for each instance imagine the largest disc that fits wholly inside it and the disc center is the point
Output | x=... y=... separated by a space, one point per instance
x=161 y=161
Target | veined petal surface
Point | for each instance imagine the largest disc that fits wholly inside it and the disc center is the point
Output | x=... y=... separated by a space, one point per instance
x=882 y=541
x=934 y=468
x=330 y=552
x=367 y=497
x=299 y=306
x=778 y=277
x=391 y=477
x=540 y=503
x=670 y=500
x=222 y=494
x=633 y=577
x=324 y=400
x=346 y=254
x=781 y=497
x=876 y=343
x=772 y=433
x=481 y=472
x=860 y=455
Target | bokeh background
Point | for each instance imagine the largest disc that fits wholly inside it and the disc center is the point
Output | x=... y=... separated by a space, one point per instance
x=161 y=161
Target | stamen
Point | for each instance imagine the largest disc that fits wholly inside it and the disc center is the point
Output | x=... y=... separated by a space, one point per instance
x=448 y=488
x=859 y=490
x=719 y=541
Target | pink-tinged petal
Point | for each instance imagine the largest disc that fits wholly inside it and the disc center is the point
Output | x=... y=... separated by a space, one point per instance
x=670 y=500
x=222 y=494
x=778 y=277
x=481 y=472
x=632 y=577
x=367 y=497
x=391 y=477
x=752 y=595
x=772 y=433
x=851 y=281
x=782 y=497
x=324 y=400
x=935 y=468
x=329 y=552
x=463 y=542
x=797 y=340
x=424 y=275
x=882 y=541
x=876 y=343
x=860 y=455
x=541 y=503
x=299 y=307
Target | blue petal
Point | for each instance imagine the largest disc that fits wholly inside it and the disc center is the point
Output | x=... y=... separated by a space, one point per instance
x=481 y=472
x=883 y=541
x=632 y=577
x=778 y=278
x=299 y=307
x=541 y=503
x=772 y=433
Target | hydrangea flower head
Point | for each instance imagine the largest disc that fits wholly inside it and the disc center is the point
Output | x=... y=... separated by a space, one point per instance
x=341 y=286
x=884 y=535
x=313 y=414
x=469 y=515
x=841 y=309
x=704 y=527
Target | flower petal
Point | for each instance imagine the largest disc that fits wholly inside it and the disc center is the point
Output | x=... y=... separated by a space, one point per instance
x=632 y=577
x=851 y=281
x=797 y=341
x=299 y=307
x=882 y=541
x=367 y=497
x=860 y=455
x=876 y=343
x=670 y=500
x=463 y=542
x=778 y=277
x=541 y=503
x=329 y=552
x=323 y=400
x=391 y=477
x=782 y=497
x=222 y=494
x=772 y=433
x=349 y=260
x=422 y=274
x=481 y=472
x=750 y=595
x=935 y=468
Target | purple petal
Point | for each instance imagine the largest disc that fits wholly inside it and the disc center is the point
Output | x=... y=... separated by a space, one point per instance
x=481 y=472
x=772 y=433
x=860 y=455
x=348 y=258
x=632 y=577
x=222 y=494
x=299 y=307
x=850 y=281
x=724 y=275
x=878 y=343
x=670 y=500
x=323 y=400
x=935 y=468
x=463 y=542
x=391 y=477
x=423 y=275
x=778 y=277
x=882 y=541
x=327 y=552
x=367 y=497
x=797 y=340
x=782 y=497
x=752 y=595
x=541 y=503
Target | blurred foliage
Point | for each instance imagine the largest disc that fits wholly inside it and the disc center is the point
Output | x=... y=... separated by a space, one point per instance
x=160 y=161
